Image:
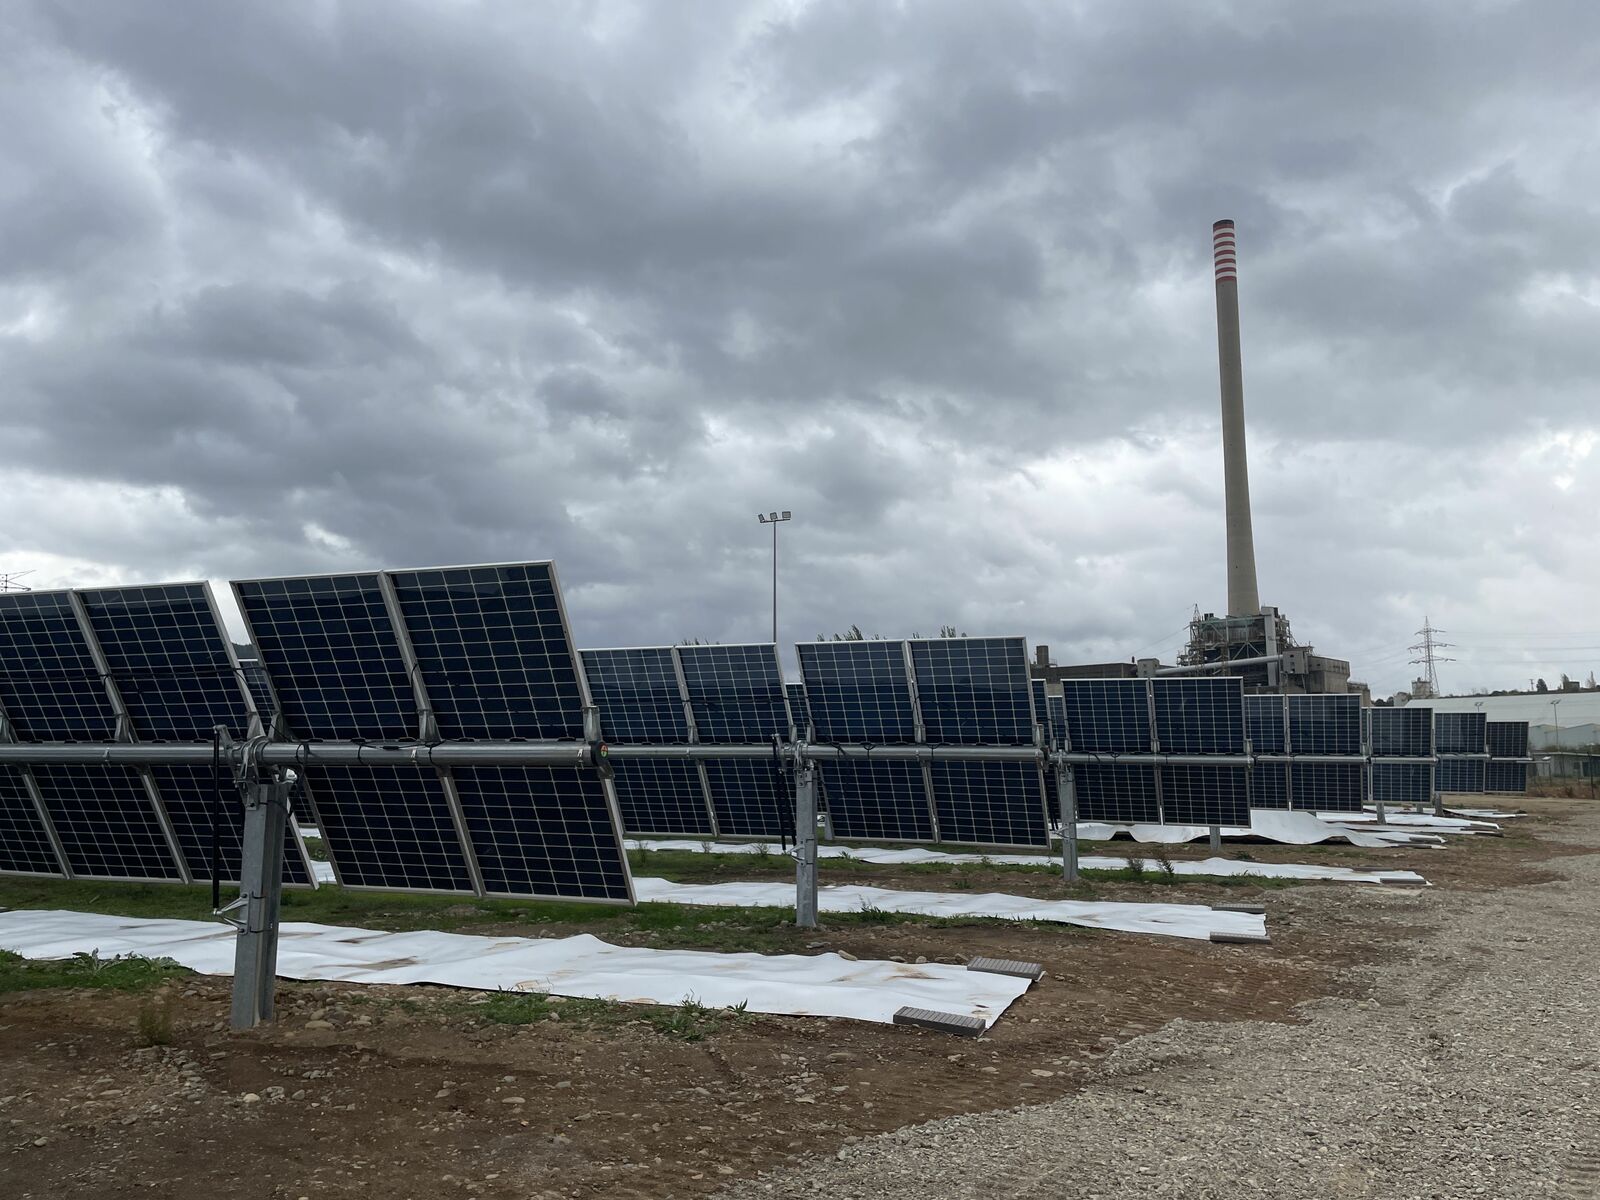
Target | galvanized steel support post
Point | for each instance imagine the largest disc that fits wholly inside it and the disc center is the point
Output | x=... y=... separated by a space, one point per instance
x=805 y=845
x=1067 y=802
x=255 y=961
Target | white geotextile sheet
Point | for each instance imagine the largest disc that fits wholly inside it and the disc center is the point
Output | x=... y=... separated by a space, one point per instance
x=1174 y=920
x=821 y=985
x=1424 y=820
x=1485 y=814
x=1266 y=824
x=884 y=855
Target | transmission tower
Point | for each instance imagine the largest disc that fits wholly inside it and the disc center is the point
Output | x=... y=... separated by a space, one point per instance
x=1428 y=651
x=8 y=582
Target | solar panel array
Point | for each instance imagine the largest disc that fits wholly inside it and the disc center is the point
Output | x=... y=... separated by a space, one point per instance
x=1507 y=768
x=480 y=652
x=1191 y=717
x=1400 y=733
x=130 y=664
x=1325 y=726
x=938 y=691
x=1461 y=741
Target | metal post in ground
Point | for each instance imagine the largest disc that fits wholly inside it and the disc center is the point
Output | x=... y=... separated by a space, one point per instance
x=1067 y=802
x=805 y=845
x=1216 y=839
x=255 y=959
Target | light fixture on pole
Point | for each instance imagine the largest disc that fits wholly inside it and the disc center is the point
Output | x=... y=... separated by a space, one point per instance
x=774 y=519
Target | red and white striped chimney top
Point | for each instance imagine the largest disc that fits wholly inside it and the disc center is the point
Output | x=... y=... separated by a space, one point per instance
x=1225 y=251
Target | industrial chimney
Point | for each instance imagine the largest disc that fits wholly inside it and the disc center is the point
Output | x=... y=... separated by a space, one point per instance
x=1243 y=598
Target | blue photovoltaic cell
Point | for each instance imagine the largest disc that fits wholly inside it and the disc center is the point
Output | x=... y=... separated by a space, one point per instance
x=661 y=797
x=751 y=798
x=50 y=687
x=25 y=847
x=1116 y=794
x=543 y=832
x=637 y=694
x=1505 y=776
x=1507 y=739
x=331 y=650
x=105 y=821
x=1460 y=733
x=799 y=709
x=493 y=649
x=1327 y=787
x=858 y=691
x=878 y=801
x=1402 y=783
x=255 y=678
x=1460 y=774
x=170 y=661
x=1400 y=732
x=389 y=828
x=186 y=794
x=1264 y=722
x=735 y=692
x=990 y=803
x=1324 y=725
x=973 y=691
x=1269 y=785
x=1205 y=795
x=1199 y=716
x=1108 y=716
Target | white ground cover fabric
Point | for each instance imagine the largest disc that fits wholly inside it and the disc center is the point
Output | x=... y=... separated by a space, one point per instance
x=822 y=985
x=1424 y=820
x=1266 y=824
x=1173 y=920
x=1092 y=862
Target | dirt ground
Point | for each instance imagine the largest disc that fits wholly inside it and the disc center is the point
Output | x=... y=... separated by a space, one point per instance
x=414 y=1092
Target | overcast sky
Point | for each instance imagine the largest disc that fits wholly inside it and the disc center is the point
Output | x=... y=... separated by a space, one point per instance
x=303 y=287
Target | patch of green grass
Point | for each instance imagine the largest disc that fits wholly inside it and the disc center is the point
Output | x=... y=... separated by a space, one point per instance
x=689 y=1021
x=124 y=974
x=153 y=1027
x=316 y=848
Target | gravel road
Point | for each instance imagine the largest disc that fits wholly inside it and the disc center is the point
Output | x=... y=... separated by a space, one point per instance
x=1471 y=1069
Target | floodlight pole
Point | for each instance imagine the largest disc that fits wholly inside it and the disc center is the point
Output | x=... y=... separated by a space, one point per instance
x=774 y=519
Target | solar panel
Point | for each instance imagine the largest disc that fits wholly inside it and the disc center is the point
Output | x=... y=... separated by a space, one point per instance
x=750 y=797
x=1327 y=787
x=186 y=795
x=1507 y=739
x=1269 y=785
x=1123 y=795
x=1107 y=716
x=858 y=691
x=1505 y=776
x=884 y=801
x=543 y=832
x=1460 y=774
x=50 y=685
x=1199 y=716
x=662 y=797
x=166 y=651
x=1324 y=725
x=638 y=695
x=330 y=647
x=1460 y=733
x=735 y=692
x=256 y=679
x=107 y=824
x=492 y=647
x=25 y=847
x=1205 y=795
x=1400 y=732
x=1264 y=722
x=1056 y=706
x=1402 y=783
x=388 y=828
x=990 y=803
x=1041 y=705
x=974 y=691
